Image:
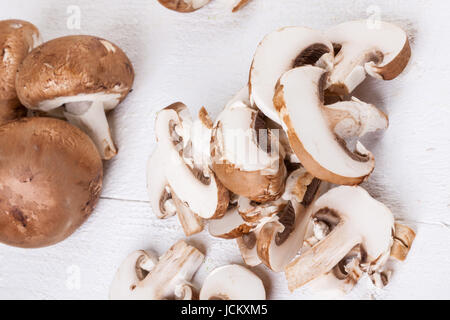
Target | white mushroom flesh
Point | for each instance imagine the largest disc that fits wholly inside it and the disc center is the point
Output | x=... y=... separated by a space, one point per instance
x=364 y=49
x=276 y=54
x=303 y=109
x=232 y=282
x=238 y=143
x=174 y=269
x=201 y=197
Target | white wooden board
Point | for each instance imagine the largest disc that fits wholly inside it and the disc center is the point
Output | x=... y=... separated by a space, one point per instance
x=202 y=59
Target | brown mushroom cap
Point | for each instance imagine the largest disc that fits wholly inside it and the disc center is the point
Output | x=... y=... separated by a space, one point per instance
x=251 y=184
x=17 y=39
x=183 y=6
x=50 y=181
x=71 y=66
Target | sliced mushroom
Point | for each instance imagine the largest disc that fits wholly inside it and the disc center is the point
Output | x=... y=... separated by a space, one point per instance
x=183 y=6
x=164 y=201
x=246 y=156
x=362 y=221
x=279 y=226
x=85 y=76
x=403 y=238
x=142 y=277
x=232 y=282
x=299 y=101
x=297 y=185
x=248 y=248
x=230 y=226
x=279 y=52
x=192 y=182
x=158 y=187
x=381 y=51
x=17 y=39
x=50 y=181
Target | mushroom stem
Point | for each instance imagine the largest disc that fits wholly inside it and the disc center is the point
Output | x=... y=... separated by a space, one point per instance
x=91 y=118
x=190 y=222
x=355 y=118
x=322 y=257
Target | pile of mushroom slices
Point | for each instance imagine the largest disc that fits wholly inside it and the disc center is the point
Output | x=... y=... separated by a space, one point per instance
x=52 y=170
x=260 y=173
x=186 y=6
x=143 y=276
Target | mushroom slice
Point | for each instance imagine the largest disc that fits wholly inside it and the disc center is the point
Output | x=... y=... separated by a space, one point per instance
x=142 y=277
x=403 y=239
x=232 y=282
x=362 y=221
x=280 y=51
x=51 y=180
x=164 y=201
x=381 y=51
x=299 y=101
x=230 y=226
x=133 y=270
x=85 y=76
x=195 y=185
x=245 y=152
x=183 y=6
x=158 y=187
x=17 y=39
x=248 y=248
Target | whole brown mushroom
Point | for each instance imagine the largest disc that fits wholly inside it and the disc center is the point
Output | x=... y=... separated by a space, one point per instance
x=50 y=181
x=17 y=39
x=82 y=78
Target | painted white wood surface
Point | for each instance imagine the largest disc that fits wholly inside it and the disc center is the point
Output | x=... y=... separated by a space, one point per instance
x=202 y=59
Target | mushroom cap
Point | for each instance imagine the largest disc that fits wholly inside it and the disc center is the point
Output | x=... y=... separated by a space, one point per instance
x=299 y=101
x=279 y=52
x=241 y=159
x=232 y=282
x=17 y=39
x=381 y=50
x=183 y=6
x=50 y=181
x=71 y=69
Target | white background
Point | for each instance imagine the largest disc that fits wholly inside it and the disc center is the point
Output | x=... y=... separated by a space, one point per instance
x=202 y=59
